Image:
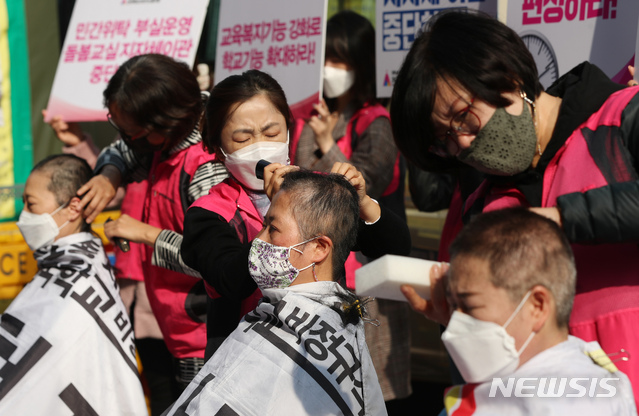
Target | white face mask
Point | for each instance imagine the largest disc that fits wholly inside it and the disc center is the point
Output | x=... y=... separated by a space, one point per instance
x=337 y=81
x=270 y=265
x=482 y=350
x=241 y=163
x=39 y=230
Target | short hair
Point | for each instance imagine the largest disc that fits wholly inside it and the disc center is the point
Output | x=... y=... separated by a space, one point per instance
x=159 y=93
x=483 y=55
x=324 y=204
x=350 y=38
x=68 y=173
x=522 y=249
x=238 y=89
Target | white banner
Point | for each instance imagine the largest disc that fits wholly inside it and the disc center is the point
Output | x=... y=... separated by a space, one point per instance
x=292 y=355
x=563 y=33
x=398 y=21
x=66 y=341
x=284 y=38
x=104 y=34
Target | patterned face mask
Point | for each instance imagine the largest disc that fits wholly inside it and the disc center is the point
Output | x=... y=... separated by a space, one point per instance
x=270 y=265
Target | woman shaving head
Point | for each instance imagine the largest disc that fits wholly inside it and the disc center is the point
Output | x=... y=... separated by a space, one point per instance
x=154 y=102
x=51 y=208
x=247 y=120
x=469 y=91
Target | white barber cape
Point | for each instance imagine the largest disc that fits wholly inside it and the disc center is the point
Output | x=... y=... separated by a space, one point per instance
x=292 y=355
x=562 y=380
x=66 y=342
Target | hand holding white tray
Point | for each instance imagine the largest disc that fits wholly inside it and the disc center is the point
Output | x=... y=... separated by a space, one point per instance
x=383 y=277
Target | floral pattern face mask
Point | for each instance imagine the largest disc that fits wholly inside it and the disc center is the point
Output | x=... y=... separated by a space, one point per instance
x=270 y=265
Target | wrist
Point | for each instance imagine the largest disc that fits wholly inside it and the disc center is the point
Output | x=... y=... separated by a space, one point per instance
x=151 y=235
x=370 y=210
x=325 y=143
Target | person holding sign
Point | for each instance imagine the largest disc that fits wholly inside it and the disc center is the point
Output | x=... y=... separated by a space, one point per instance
x=248 y=121
x=468 y=92
x=351 y=126
x=67 y=343
x=155 y=104
x=315 y=360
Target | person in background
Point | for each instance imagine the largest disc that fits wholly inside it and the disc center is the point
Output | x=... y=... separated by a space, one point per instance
x=67 y=345
x=468 y=93
x=352 y=126
x=156 y=106
x=247 y=121
x=315 y=360
x=506 y=301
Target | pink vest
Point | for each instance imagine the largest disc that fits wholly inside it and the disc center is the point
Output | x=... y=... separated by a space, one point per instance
x=362 y=119
x=231 y=201
x=177 y=300
x=606 y=306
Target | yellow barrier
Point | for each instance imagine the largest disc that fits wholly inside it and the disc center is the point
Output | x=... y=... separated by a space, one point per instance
x=17 y=265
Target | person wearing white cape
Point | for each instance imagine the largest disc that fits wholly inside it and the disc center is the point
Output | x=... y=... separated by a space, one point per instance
x=66 y=343
x=302 y=351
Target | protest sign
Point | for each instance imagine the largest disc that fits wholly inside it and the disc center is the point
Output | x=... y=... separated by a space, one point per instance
x=284 y=38
x=104 y=34
x=563 y=33
x=398 y=22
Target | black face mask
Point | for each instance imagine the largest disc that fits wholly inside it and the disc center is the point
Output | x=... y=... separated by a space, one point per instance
x=142 y=144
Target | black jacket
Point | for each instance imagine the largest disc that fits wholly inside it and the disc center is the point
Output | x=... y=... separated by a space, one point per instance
x=609 y=214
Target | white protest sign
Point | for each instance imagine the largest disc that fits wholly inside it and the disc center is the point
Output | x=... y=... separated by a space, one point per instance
x=563 y=33
x=284 y=38
x=104 y=34
x=398 y=21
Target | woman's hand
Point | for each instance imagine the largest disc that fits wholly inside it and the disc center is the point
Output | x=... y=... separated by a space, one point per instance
x=273 y=177
x=437 y=308
x=132 y=230
x=632 y=82
x=70 y=134
x=322 y=125
x=99 y=191
x=552 y=213
x=369 y=211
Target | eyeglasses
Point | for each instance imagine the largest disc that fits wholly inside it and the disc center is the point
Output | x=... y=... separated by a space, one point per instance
x=464 y=122
x=122 y=134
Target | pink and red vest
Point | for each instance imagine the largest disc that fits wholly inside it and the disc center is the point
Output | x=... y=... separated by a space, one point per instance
x=231 y=201
x=606 y=306
x=178 y=301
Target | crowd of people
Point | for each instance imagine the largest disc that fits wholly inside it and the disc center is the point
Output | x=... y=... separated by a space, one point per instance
x=238 y=292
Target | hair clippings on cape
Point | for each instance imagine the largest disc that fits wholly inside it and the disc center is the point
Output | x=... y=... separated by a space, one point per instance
x=360 y=306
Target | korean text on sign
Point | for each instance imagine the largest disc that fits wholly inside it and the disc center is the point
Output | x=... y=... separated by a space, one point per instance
x=555 y=11
x=290 y=44
x=105 y=42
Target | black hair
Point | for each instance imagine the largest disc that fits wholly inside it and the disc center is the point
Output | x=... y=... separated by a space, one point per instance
x=522 y=250
x=350 y=38
x=481 y=54
x=159 y=94
x=235 y=90
x=68 y=173
x=327 y=205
